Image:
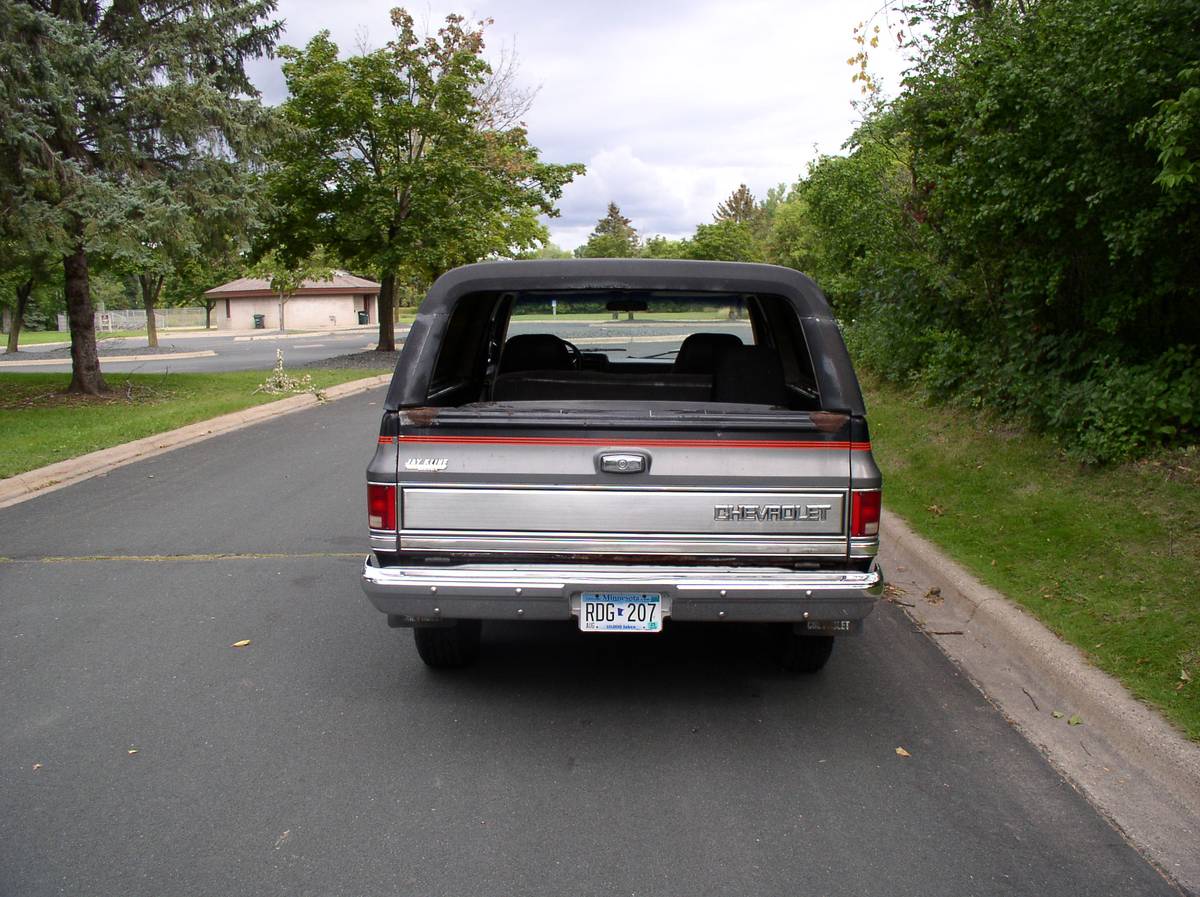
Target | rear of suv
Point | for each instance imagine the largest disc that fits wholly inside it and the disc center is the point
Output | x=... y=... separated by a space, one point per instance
x=626 y=444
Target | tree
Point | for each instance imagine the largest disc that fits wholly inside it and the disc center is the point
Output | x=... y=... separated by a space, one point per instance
x=725 y=241
x=659 y=247
x=101 y=101
x=27 y=267
x=402 y=161
x=545 y=251
x=739 y=208
x=222 y=259
x=286 y=276
x=613 y=238
x=207 y=207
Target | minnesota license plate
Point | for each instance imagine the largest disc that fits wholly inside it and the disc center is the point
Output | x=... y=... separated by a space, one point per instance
x=620 y=612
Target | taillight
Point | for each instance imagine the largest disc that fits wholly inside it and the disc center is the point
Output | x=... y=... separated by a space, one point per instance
x=381 y=506
x=864 y=513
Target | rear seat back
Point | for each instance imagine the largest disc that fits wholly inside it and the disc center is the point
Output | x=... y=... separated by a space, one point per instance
x=751 y=375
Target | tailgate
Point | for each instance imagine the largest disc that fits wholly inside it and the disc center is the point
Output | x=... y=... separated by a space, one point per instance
x=742 y=497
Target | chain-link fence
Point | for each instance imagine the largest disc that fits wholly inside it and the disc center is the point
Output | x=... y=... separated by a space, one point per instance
x=135 y=319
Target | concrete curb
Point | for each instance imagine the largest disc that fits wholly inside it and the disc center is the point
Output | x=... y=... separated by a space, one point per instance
x=109 y=359
x=1132 y=764
x=30 y=484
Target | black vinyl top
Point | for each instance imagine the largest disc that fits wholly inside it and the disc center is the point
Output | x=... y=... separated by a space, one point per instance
x=836 y=381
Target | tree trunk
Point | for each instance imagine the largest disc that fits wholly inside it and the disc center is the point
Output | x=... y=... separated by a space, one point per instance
x=151 y=287
x=85 y=361
x=208 y=310
x=387 y=314
x=14 y=334
x=281 y=301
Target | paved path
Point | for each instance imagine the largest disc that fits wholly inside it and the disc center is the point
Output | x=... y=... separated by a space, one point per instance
x=324 y=759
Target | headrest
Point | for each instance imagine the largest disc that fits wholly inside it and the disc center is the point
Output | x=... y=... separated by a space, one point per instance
x=535 y=352
x=700 y=352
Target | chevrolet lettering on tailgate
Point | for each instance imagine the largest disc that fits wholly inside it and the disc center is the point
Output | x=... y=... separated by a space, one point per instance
x=819 y=513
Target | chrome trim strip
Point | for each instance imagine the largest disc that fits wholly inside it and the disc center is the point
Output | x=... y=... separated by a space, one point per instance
x=864 y=547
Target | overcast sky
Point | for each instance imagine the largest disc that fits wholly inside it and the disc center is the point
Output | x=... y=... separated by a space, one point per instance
x=669 y=105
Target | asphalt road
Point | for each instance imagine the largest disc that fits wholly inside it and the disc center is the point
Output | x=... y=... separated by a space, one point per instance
x=232 y=354
x=621 y=339
x=324 y=759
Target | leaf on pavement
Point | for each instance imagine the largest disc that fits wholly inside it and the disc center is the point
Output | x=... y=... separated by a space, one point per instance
x=1057 y=714
x=242 y=644
x=37 y=766
x=901 y=752
x=1075 y=720
x=132 y=751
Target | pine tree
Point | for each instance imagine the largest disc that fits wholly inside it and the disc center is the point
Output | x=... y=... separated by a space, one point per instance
x=104 y=105
x=740 y=207
x=614 y=237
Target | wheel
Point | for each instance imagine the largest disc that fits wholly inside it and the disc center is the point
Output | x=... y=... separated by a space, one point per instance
x=449 y=647
x=801 y=653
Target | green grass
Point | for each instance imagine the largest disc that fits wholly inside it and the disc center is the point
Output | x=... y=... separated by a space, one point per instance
x=40 y=425
x=1107 y=558
x=34 y=337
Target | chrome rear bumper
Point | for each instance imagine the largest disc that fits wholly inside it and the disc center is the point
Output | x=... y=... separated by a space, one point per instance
x=551 y=592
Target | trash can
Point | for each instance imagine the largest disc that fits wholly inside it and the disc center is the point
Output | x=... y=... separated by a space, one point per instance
x=364 y=318
x=260 y=322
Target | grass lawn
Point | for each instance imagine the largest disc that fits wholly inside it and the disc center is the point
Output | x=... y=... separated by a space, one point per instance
x=34 y=337
x=1107 y=558
x=40 y=425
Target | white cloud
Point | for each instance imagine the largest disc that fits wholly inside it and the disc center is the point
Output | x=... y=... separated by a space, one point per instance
x=670 y=105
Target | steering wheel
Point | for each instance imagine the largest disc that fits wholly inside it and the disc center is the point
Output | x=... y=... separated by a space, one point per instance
x=576 y=355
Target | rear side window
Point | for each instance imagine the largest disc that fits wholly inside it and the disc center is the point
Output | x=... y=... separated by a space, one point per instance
x=463 y=355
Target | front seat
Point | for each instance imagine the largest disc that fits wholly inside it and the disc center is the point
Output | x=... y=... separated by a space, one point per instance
x=701 y=351
x=536 y=352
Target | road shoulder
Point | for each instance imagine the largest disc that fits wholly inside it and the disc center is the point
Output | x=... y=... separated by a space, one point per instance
x=1128 y=761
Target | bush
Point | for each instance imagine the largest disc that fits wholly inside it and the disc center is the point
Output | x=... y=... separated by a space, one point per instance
x=1127 y=410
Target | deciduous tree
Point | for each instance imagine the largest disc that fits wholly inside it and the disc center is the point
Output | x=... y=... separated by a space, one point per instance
x=402 y=160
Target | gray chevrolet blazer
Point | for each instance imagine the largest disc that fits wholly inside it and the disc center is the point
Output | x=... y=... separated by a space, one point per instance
x=625 y=443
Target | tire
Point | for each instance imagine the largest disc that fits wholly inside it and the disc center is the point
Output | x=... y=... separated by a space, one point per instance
x=449 y=647
x=801 y=653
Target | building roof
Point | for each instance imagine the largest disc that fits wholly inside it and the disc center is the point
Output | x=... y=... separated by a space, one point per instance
x=340 y=283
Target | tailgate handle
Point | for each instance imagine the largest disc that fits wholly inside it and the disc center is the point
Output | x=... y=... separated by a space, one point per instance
x=624 y=462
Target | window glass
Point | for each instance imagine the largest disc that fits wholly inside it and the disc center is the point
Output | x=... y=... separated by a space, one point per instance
x=654 y=334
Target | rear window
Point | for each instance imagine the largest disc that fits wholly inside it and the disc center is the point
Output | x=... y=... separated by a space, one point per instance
x=629 y=334
x=623 y=346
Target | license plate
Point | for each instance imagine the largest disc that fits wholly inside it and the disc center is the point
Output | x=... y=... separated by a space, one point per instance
x=620 y=612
